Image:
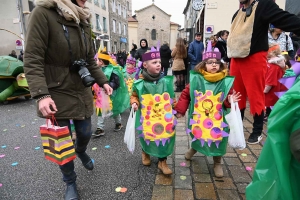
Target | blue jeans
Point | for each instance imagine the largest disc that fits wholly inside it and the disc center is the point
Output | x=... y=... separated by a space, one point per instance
x=83 y=130
x=192 y=66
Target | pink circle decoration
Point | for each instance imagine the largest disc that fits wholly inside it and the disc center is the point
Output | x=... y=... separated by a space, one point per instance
x=197 y=132
x=157 y=98
x=148 y=123
x=168 y=107
x=166 y=97
x=149 y=107
x=168 y=117
x=169 y=128
x=219 y=107
x=208 y=93
x=216 y=133
x=158 y=128
x=218 y=116
x=208 y=123
x=147 y=117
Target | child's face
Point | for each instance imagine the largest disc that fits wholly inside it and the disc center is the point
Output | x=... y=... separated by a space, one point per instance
x=153 y=66
x=100 y=63
x=212 y=65
x=129 y=65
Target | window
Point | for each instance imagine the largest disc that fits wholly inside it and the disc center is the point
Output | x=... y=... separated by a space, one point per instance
x=120 y=29
x=153 y=34
x=124 y=12
x=98 y=26
x=103 y=4
x=124 y=29
x=104 y=25
x=114 y=26
x=114 y=6
x=119 y=9
x=96 y=2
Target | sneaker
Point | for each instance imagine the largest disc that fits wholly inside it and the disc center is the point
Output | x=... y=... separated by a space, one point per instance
x=118 y=127
x=254 y=139
x=98 y=132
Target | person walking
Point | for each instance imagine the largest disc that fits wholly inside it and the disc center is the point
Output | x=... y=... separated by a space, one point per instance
x=133 y=50
x=165 y=56
x=196 y=49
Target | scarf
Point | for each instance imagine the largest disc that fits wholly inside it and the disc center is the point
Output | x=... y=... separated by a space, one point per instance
x=130 y=70
x=67 y=9
x=150 y=77
x=213 y=77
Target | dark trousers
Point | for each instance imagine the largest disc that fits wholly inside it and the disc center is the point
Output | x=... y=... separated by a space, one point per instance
x=83 y=130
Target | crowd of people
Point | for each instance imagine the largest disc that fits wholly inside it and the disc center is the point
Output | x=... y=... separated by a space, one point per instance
x=239 y=64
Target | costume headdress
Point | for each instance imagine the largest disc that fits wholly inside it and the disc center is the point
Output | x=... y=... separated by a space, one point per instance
x=153 y=54
x=131 y=60
x=211 y=53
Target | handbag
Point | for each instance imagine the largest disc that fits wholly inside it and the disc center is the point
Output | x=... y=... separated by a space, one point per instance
x=236 y=137
x=129 y=137
x=57 y=143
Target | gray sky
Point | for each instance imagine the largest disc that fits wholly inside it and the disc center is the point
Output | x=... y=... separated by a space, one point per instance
x=174 y=8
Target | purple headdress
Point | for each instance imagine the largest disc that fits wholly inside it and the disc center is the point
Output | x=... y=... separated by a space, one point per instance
x=131 y=60
x=209 y=53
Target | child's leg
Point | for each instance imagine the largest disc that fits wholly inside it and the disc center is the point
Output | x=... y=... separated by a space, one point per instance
x=118 y=123
x=218 y=170
x=146 y=159
x=100 y=127
x=163 y=166
x=189 y=154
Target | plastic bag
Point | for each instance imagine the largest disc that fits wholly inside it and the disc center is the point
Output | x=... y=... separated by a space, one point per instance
x=129 y=137
x=236 y=137
x=105 y=107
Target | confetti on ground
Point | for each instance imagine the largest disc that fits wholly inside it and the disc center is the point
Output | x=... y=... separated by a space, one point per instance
x=32 y=122
x=183 y=164
x=3 y=147
x=17 y=148
x=35 y=136
x=107 y=146
x=243 y=154
x=23 y=126
x=94 y=148
x=2 y=156
x=14 y=164
x=0 y=184
x=37 y=148
x=249 y=168
x=123 y=190
x=118 y=189
x=17 y=124
x=35 y=119
x=8 y=110
x=4 y=130
x=183 y=177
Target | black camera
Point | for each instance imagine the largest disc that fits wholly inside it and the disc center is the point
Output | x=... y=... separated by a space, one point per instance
x=80 y=67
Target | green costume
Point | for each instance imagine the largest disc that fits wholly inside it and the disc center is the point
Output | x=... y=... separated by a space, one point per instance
x=155 y=122
x=206 y=122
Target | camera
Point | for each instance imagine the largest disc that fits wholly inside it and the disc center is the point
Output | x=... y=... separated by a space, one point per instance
x=80 y=67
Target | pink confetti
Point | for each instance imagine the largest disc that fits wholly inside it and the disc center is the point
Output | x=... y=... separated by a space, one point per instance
x=0 y=184
x=1 y=156
x=17 y=148
x=35 y=136
x=249 y=168
x=183 y=164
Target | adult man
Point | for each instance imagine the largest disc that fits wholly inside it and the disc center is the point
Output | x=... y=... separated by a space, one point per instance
x=196 y=49
x=142 y=50
x=247 y=47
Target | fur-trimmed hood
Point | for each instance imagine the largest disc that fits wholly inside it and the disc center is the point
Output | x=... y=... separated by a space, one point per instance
x=279 y=60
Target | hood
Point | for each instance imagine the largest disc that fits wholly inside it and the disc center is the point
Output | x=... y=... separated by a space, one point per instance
x=164 y=48
x=279 y=60
x=146 y=43
x=44 y=3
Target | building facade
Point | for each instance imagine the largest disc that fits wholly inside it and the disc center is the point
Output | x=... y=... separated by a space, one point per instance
x=119 y=10
x=154 y=25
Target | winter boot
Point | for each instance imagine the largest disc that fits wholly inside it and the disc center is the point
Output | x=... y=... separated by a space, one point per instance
x=218 y=167
x=146 y=159
x=258 y=124
x=162 y=165
x=87 y=162
x=71 y=192
x=189 y=154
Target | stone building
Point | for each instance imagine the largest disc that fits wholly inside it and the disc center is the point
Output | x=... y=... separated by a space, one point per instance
x=119 y=10
x=153 y=24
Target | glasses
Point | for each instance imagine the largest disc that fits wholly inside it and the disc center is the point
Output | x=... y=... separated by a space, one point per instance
x=211 y=62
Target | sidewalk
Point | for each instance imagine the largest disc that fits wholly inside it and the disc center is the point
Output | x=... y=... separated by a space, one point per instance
x=195 y=179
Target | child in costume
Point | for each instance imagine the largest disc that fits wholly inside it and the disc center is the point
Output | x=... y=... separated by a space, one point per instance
x=130 y=72
x=152 y=97
x=207 y=97
x=119 y=98
x=275 y=71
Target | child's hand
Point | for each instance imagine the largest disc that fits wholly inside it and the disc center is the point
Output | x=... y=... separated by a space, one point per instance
x=135 y=107
x=178 y=115
x=235 y=96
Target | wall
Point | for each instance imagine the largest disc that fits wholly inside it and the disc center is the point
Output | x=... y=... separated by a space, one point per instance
x=133 y=34
x=173 y=35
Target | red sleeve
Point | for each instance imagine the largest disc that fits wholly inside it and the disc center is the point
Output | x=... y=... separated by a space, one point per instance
x=227 y=102
x=271 y=75
x=184 y=101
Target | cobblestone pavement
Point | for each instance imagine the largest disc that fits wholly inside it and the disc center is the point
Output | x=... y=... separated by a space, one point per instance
x=195 y=179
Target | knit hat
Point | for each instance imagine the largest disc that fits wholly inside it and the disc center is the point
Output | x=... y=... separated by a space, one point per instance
x=131 y=60
x=211 y=53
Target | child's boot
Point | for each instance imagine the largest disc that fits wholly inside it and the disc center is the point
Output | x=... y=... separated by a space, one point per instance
x=189 y=154
x=163 y=166
x=218 y=170
x=146 y=159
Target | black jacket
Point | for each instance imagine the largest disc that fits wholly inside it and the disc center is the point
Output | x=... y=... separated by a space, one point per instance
x=133 y=51
x=165 y=55
x=142 y=50
x=222 y=46
x=114 y=81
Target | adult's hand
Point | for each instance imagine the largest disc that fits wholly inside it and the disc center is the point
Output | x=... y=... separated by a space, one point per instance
x=108 y=90
x=45 y=106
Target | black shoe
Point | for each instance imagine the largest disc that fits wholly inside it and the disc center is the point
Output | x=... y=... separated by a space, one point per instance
x=254 y=139
x=71 y=192
x=99 y=132
x=87 y=162
x=118 y=127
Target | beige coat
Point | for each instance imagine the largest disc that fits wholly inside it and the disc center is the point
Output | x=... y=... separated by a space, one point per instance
x=178 y=63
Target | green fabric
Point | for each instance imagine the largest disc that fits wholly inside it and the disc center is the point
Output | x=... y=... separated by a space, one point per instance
x=277 y=172
x=288 y=73
x=144 y=87
x=197 y=82
x=120 y=97
x=10 y=66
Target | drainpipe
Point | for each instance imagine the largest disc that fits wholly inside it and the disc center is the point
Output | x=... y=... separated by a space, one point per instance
x=21 y=21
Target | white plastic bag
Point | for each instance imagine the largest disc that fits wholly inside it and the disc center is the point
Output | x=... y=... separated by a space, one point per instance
x=105 y=108
x=129 y=137
x=236 y=137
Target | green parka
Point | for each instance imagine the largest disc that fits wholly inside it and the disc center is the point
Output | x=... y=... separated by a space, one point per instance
x=47 y=62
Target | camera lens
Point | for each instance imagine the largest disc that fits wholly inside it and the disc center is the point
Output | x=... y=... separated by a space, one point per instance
x=86 y=77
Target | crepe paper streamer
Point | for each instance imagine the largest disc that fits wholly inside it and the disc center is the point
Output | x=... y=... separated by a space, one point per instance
x=107 y=146
x=243 y=154
x=14 y=164
x=123 y=190
x=2 y=156
x=183 y=178
x=249 y=168
x=94 y=148
x=3 y=147
x=118 y=189
x=37 y=148
x=4 y=130
x=183 y=164
x=17 y=148
x=22 y=126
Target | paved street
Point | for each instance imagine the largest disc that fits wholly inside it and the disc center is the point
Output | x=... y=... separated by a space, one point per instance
x=36 y=178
